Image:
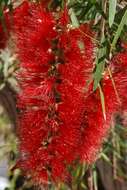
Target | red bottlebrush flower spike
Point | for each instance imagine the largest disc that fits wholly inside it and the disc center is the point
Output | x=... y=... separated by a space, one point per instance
x=92 y=127
x=95 y=127
x=118 y=80
x=51 y=100
x=33 y=30
x=74 y=73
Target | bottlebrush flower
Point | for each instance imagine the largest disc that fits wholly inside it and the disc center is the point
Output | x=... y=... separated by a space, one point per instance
x=74 y=73
x=94 y=126
x=118 y=69
x=33 y=33
x=52 y=91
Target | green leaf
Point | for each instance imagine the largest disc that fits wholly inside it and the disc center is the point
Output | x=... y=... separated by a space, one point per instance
x=105 y=158
x=95 y=179
x=84 y=186
x=102 y=101
x=100 y=65
x=74 y=19
x=112 y=11
x=119 y=15
x=119 y=30
x=98 y=73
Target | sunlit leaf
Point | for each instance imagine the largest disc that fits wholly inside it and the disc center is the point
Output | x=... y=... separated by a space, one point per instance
x=112 y=11
x=74 y=19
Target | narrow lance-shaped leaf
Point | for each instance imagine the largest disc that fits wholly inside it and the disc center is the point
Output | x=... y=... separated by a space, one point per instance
x=112 y=11
x=95 y=178
x=74 y=19
x=102 y=101
x=100 y=64
x=119 y=30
